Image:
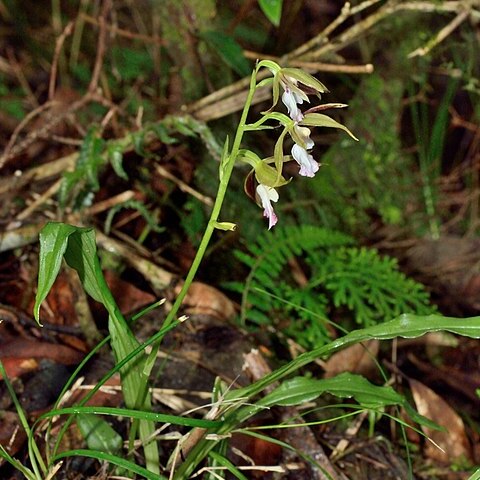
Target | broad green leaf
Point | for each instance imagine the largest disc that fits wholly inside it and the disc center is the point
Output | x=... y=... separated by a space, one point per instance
x=98 y=433
x=53 y=244
x=406 y=326
x=272 y=10
x=78 y=246
x=229 y=50
x=346 y=385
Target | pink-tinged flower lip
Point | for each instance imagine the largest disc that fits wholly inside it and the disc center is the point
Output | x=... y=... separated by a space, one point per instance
x=308 y=166
x=268 y=195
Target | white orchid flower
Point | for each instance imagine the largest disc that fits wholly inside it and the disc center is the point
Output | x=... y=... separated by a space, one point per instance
x=268 y=195
x=291 y=100
x=308 y=166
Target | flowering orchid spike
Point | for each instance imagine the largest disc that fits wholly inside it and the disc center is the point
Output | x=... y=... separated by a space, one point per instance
x=268 y=195
x=308 y=166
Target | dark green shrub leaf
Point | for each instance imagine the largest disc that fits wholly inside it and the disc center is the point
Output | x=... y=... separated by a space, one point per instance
x=272 y=10
x=228 y=49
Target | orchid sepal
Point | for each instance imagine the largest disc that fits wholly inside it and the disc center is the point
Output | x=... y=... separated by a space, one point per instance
x=305 y=78
x=269 y=176
x=321 y=120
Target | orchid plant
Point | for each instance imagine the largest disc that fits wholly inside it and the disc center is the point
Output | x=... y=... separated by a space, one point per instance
x=78 y=247
x=297 y=85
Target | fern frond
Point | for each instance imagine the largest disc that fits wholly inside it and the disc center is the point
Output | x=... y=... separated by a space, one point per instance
x=272 y=252
x=368 y=285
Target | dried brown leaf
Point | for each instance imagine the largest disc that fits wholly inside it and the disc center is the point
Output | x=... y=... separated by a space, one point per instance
x=203 y=299
x=358 y=358
x=453 y=441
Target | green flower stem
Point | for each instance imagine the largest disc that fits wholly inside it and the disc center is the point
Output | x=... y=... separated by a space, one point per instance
x=226 y=165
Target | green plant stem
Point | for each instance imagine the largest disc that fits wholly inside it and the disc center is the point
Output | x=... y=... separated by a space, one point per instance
x=222 y=190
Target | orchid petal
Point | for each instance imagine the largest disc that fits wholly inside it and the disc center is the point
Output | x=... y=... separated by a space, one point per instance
x=301 y=135
x=268 y=195
x=308 y=166
x=290 y=101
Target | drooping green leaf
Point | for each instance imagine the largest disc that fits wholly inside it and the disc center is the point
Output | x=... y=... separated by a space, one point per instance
x=228 y=49
x=346 y=385
x=272 y=10
x=77 y=245
x=53 y=244
x=99 y=434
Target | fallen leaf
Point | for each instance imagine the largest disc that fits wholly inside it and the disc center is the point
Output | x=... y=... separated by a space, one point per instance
x=23 y=348
x=203 y=299
x=359 y=358
x=453 y=441
x=128 y=297
x=16 y=367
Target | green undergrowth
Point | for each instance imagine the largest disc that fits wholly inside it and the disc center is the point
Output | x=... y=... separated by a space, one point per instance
x=337 y=276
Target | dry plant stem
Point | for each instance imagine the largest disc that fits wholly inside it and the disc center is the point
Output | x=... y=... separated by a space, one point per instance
x=351 y=431
x=124 y=33
x=305 y=440
x=183 y=186
x=8 y=151
x=441 y=35
x=314 y=66
x=101 y=46
x=158 y=278
x=67 y=31
x=11 y=151
x=230 y=99
x=16 y=70
x=49 y=193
